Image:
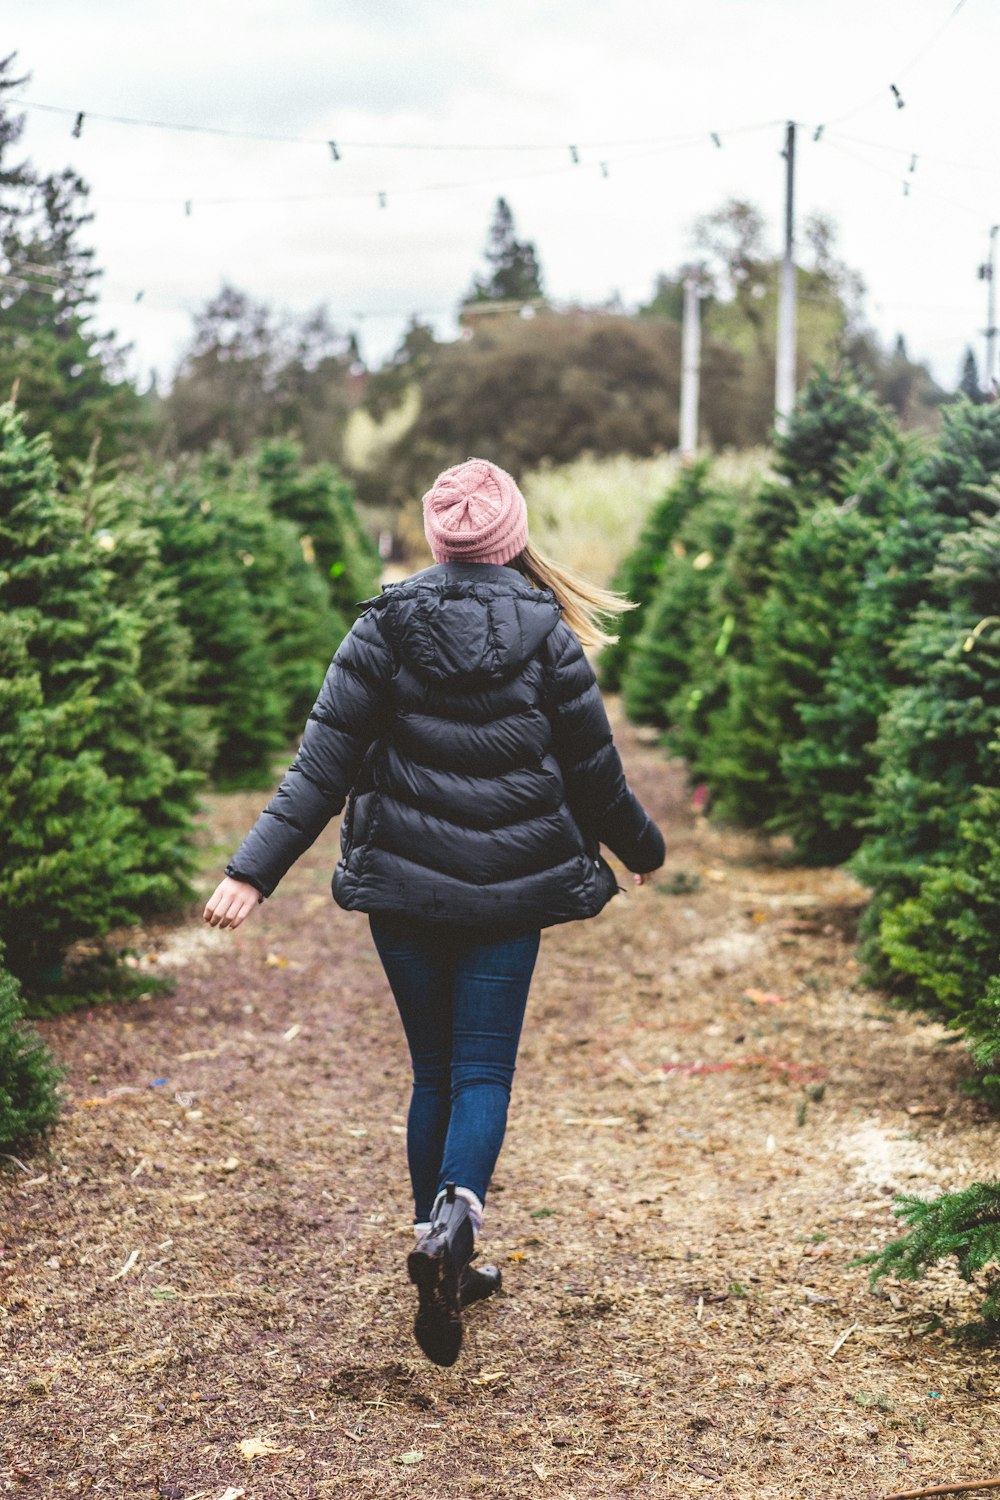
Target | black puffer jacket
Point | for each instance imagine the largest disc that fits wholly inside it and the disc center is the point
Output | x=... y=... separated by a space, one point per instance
x=463 y=724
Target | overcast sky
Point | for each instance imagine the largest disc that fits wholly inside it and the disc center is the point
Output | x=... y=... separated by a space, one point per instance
x=637 y=87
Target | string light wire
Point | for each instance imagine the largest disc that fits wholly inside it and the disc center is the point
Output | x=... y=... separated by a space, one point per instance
x=636 y=149
x=342 y=144
x=874 y=166
x=939 y=161
x=367 y=195
x=900 y=72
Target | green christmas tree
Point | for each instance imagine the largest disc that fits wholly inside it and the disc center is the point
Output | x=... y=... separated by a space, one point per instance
x=805 y=619
x=29 y=1079
x=233 y=679
x=922 y=498
x=982 y=1033
x=828 y=763
x=299 y=625
x=679 y=617
x=936 y=738
x=320 y=502
x=71 y=862
x=728 y=727
x=156 y=745
x=255 y=603
x=639 y=575
x=115 y=516
x=946 y=937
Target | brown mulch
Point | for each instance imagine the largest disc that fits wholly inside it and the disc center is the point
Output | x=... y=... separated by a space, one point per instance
x=710 y=1119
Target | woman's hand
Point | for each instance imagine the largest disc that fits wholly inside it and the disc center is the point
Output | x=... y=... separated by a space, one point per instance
x=232 y=903
x=643 y=879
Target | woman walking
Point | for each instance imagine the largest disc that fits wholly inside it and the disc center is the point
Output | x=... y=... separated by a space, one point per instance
x=462 y=723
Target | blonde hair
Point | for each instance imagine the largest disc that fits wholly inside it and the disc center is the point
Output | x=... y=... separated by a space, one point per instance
x=584 y=605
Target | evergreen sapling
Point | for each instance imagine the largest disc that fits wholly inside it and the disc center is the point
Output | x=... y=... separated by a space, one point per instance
x=965 y=1225
x=29 y=1079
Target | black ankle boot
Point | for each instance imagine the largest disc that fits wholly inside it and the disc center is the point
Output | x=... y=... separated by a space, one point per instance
x=437 y=1267
x=479 y=1282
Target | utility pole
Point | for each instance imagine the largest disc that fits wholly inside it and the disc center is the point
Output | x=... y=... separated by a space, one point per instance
x=784 y=379
x=690 y=369
x=988 y=273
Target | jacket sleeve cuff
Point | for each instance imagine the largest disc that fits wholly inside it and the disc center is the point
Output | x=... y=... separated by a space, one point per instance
x=630 y=833
x=235 y=873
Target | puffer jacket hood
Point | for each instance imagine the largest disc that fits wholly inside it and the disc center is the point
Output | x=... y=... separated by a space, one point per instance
x=440 y=642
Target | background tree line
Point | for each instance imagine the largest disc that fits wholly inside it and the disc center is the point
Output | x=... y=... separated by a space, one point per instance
x=529 y=383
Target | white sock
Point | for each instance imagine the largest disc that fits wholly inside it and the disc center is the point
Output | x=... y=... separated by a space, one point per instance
x=475 y=1208
x=421 y=1229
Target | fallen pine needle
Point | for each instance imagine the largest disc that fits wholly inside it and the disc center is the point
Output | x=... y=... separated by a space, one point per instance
x=705 y=1473
x=631 y=1068
x=842 y=1340
x=110 y=1097
x=126 y=1268
x=946 y=1489
x=169 y=1293
x=606 y=1120
x=203 y=1053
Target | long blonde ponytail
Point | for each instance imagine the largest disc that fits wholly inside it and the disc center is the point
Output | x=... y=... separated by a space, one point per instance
x=584 y=605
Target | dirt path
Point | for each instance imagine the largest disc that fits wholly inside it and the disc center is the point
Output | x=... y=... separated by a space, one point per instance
x=211 y=1250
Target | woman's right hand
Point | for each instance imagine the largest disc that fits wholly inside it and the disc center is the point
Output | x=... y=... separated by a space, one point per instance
x=231 y=903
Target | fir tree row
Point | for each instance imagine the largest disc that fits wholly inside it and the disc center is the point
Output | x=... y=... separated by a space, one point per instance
x=825 y=653
x=156 y=629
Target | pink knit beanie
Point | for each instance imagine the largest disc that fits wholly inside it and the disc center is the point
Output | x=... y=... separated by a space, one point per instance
x=475 y=513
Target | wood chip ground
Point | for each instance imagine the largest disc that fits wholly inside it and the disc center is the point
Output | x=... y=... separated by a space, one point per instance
x=202 y=1286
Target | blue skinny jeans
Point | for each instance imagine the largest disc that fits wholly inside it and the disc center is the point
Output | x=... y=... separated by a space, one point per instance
x=461 y=997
